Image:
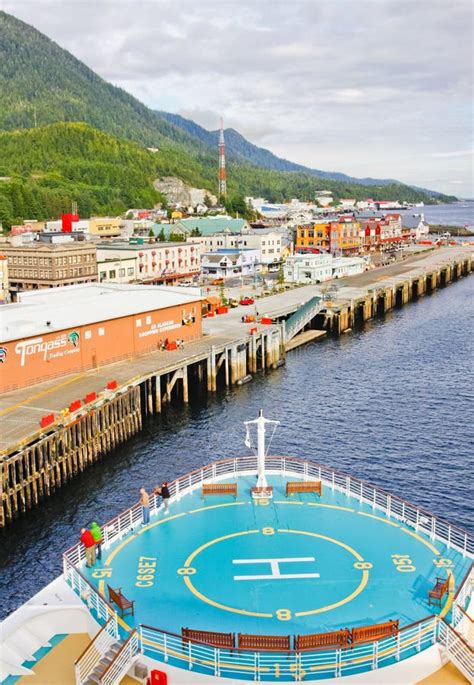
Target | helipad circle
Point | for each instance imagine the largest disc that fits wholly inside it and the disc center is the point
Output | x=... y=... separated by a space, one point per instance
x=276 y=573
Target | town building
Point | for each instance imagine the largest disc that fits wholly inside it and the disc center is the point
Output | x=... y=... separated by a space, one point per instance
x=348 y=266
x=228 y=263
x=320 y=267
x=308 y=268
x=122 y=270
x=338 y=235
x=4 y=282
x=416 y=224
x=163 y=262
x=69 y=330
x=268 y=243
x=382 y=232
x=205 y=226
x=49 y=264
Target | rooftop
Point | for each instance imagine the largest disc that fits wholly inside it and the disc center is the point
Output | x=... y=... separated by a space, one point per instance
x=79 y=305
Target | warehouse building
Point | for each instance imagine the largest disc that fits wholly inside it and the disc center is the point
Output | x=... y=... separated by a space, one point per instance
x=52 y=333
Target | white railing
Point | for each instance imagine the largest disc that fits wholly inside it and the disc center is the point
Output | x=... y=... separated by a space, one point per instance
x=96 y=650
x=261 y=666
x=330 y=662
x=457 y=649
x=122 y=661
x=87 y=592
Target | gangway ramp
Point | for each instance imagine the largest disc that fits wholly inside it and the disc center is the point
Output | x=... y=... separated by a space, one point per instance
x=303 y=316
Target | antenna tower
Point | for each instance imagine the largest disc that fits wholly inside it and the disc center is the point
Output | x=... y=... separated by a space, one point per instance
x=222 y=176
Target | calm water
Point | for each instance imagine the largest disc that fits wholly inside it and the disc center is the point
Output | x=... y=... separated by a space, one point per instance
x=391 y=403
x=456 y=214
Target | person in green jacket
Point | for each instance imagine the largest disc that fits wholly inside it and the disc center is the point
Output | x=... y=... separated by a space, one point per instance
x=97 y=535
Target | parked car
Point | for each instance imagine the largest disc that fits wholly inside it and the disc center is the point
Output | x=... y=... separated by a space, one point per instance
x=246 y=301
x=217 y=281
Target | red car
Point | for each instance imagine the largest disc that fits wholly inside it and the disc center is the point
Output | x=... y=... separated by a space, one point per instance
x=246 y=301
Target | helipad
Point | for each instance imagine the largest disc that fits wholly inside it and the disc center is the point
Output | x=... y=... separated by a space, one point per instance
x=288 y=565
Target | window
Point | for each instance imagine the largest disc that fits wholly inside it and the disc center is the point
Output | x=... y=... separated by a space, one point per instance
x=130 y=270
x=112 y=273
x=138 y=323
x=148 y=319
x=121 y=272
x=101 y=331
x=102 y=275
x=88 y=335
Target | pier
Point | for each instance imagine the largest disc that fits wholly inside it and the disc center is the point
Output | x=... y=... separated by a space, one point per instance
x=37 y=461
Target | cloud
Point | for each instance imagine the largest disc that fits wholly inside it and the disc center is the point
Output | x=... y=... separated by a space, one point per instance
x=369 y=87
x=455 y=153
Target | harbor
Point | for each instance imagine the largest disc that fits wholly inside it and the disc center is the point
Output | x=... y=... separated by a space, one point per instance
x=37 y=462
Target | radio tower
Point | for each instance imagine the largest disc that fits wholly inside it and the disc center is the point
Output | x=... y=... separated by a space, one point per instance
x=222 y=177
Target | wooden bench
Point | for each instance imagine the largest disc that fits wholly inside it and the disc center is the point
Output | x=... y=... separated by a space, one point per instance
x=219 y=489
x=436 y=594
x=264 y=643
x=374 y=632
x=208 y=637
x=304 y=486
x=336 y=638
x=120 y=600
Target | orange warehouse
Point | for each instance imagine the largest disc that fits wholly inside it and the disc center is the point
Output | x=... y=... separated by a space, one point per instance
x=55 y=332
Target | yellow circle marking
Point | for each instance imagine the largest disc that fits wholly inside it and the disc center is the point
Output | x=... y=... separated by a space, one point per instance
x=199 y=595
x=418 y=537
x=349 y=598
x=202 y=597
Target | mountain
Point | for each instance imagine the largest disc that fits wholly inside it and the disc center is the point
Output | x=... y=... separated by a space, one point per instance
x=44 y=169
x=43 y=85
x=243 y=150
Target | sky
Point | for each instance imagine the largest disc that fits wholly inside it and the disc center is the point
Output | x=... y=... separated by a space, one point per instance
x=375 y=88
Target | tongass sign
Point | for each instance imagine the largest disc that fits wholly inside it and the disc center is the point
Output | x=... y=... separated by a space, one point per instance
x=47 y=349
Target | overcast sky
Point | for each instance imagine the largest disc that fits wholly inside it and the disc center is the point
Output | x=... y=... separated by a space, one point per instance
x=366 y=87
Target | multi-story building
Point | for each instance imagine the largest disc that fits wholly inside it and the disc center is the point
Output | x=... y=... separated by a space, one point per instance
x=104 y=226
x=40 y=264
x=228 y=263
x=154 y=262
x=121 y=270
x=269 y=244
x=337 y=236
x=4 y=290
x=317 y=268
x=379 y=232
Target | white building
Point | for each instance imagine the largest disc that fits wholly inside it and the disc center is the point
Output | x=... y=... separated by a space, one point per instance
x=4 y=283
x=308 y=268
x=121 y=270
x=228 y=263
x=268 y=243
x=155 y=262
x=419 y=228
x=317 y=268
x=347 y=266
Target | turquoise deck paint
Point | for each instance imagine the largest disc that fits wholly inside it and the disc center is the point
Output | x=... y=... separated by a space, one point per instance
x=316 y=564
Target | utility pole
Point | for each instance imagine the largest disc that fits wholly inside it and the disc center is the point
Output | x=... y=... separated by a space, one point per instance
x=222 y=173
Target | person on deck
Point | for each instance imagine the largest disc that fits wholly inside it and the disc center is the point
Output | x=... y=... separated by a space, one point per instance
x=97 y=535
x=145 y=502
x=89 y=544
x=163 y=490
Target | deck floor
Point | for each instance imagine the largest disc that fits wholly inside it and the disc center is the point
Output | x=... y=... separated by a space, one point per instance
x=286 y=566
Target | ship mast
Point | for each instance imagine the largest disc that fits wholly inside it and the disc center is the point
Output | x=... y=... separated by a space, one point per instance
x=262 y=488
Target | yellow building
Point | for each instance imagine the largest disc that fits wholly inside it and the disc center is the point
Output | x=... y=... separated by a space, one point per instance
x=336 y=236
x=104 y=226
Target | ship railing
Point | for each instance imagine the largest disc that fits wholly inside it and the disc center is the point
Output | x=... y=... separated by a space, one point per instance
x=122 y=661
x=89 y=594
x=462 y=598
x=376 y=498
x=172 y=649
x=457 y=649
x=100 y=644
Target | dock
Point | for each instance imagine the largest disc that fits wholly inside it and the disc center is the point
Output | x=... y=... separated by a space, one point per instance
x=304 y=338
x=36 y=461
